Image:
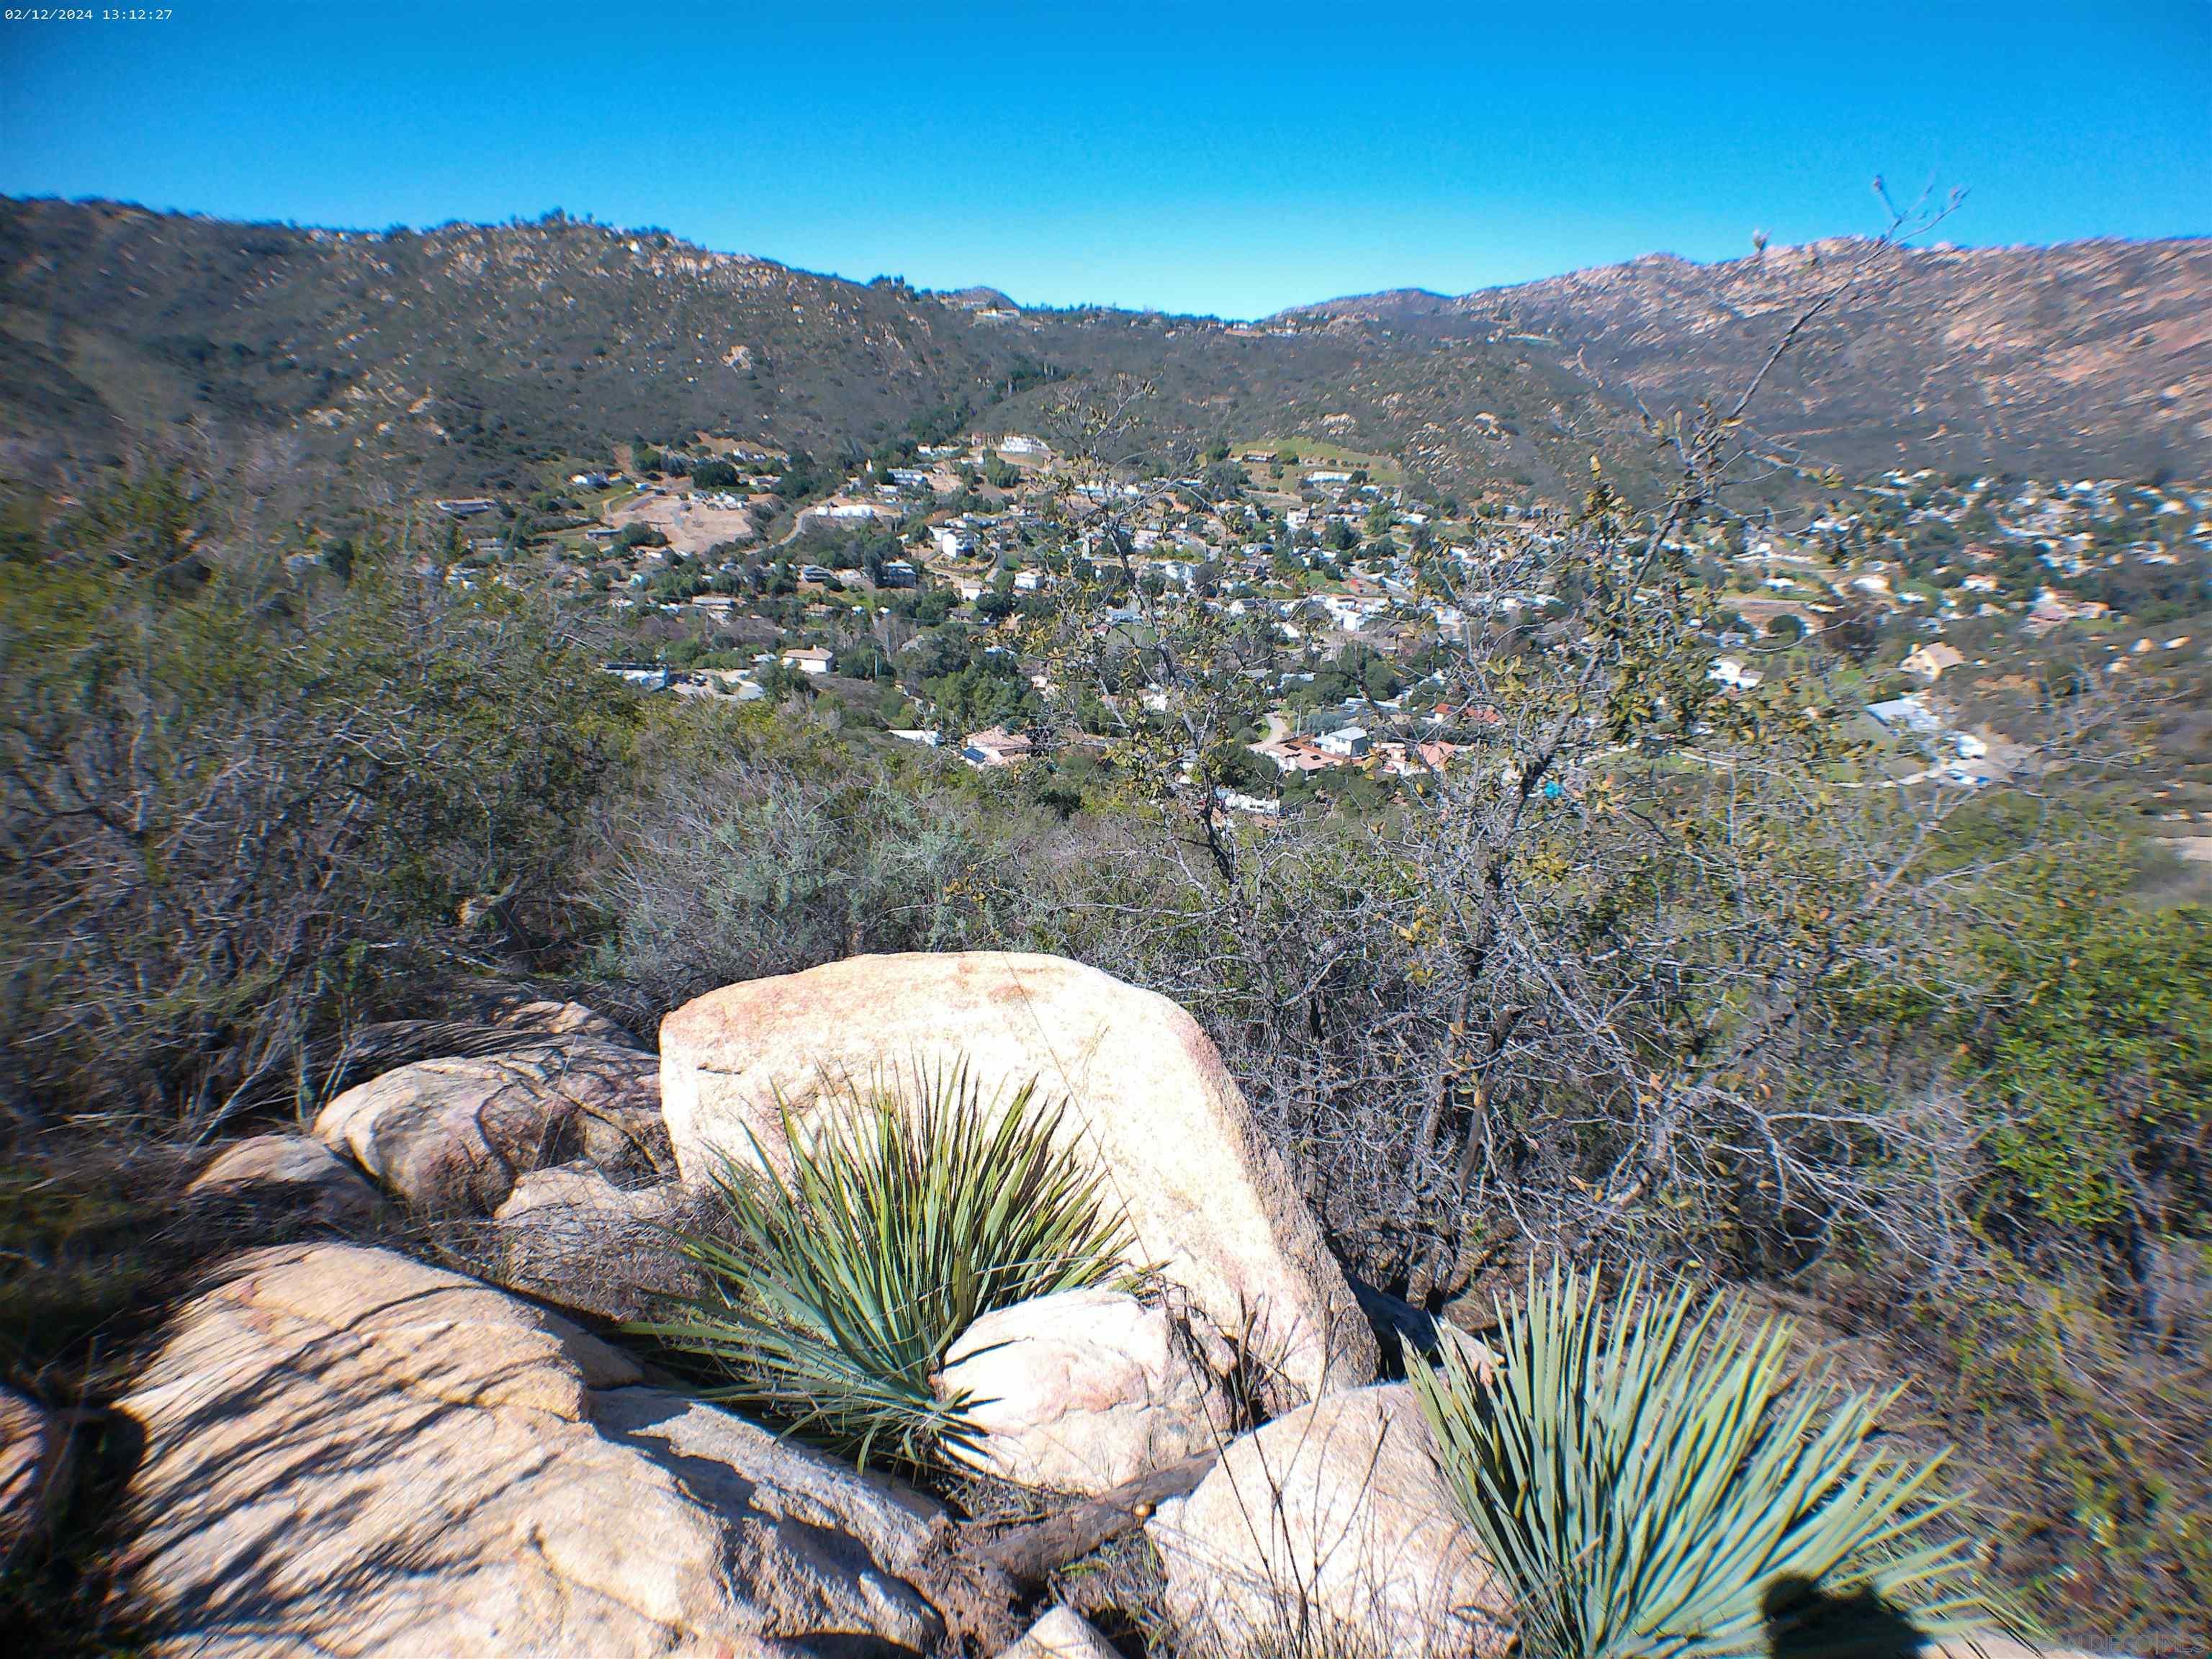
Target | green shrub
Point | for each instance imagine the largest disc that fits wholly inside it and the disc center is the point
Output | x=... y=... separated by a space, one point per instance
x=231 y=802
x=836 y=1284
x=1650 y=1484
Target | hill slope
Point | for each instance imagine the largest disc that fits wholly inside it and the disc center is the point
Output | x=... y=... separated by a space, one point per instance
x=471 y=355
x=2095 y=356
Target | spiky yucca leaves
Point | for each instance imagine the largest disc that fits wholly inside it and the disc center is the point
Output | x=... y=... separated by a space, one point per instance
x=836 y=1286
x=1651 y=1485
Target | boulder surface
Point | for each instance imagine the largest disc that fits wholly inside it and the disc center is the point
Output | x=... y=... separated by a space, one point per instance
x=348 y=1452
x=1210 y=1203
x=1062 y=1633
x=1331 y=1523
x=295 y=1167
x=452 y=1134
x=34 y=1464
x=1082 y=1391
x=574 y=1237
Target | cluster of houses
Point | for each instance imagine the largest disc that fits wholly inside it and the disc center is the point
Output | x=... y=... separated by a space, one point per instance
x=1326 y=555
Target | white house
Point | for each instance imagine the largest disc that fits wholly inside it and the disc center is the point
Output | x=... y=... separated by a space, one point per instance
x=847 y=512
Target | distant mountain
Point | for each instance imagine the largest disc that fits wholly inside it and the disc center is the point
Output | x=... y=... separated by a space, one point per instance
x=2095 y=354
x=475 y=355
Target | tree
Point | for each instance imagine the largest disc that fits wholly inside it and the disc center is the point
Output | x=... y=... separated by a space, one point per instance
x=1225 y=480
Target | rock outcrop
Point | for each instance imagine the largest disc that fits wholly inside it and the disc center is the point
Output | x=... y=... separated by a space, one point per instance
x=1082 y=1391
x=492 y=1018
x=349 y=1452
x=1208 y=1201
x=577 y=1200
x=34 y=1463
x=297 y=1168
x=1332 y=1522
x=573 y=1236
x=1062 y=1633
x=453 y=1135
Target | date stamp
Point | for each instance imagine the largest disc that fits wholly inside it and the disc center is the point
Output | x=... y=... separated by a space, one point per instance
x=87 y=13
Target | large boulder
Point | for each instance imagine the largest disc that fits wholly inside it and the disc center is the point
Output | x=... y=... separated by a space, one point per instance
x=1211 y=1204
x=348 y=1452
x=1331 y=1524
x=1082 y=1391
x=34 y=1465
x=452 y=1134
x=293 y=1169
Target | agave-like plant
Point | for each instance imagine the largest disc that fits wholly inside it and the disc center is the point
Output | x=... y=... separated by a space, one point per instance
x=834 y=1286
x=1652 y=1485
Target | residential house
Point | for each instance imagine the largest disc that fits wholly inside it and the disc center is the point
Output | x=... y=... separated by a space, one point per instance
x=1930 y=661
x=848 y=512
x=1907 y=714
x=996 y=747
x=1349 y=742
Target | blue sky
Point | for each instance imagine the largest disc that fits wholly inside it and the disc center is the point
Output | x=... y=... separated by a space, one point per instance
x=1202 y=157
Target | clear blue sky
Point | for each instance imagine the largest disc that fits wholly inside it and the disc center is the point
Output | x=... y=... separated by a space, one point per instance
x=1204 y=157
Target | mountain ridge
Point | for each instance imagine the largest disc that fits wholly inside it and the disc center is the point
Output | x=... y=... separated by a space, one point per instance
x=478 y=354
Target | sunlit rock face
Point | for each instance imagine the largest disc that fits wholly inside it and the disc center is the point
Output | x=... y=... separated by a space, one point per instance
x=1210 y=1204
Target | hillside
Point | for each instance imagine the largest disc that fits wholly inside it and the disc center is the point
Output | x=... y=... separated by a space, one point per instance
x=471 y=355
x=2095 y=356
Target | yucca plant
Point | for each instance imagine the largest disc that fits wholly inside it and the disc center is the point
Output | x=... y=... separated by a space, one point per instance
x=1652 y=1485
x=835 y=1285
